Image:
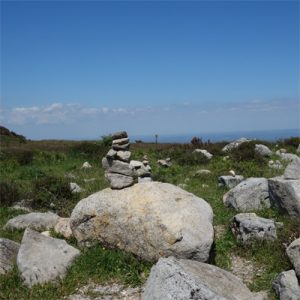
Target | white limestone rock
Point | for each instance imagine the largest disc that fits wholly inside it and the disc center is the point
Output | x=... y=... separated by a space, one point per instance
x=149 y=219
x=43 y=259
x=35 y=220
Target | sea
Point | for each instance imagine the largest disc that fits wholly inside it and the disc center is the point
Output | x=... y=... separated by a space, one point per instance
x=266 y=135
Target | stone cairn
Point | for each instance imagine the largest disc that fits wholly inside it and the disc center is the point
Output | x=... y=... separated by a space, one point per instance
x=119 y=170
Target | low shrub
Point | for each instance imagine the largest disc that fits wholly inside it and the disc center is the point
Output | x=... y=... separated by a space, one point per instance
x=9 y=193
x=92 y=149
x=246 y=152
x=49 y=191
x=23 y=157
x=192 y=159
x=292 y=141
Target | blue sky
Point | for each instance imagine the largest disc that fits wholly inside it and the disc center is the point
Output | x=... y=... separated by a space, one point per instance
x=82 y=69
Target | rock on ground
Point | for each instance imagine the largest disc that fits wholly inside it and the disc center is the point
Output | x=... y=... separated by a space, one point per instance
x=230 y=181
x=248 y=226
x=75 y=188
x=251 y=194
x=202 y=172
x=36 y=220
x=165 y=162
x=235 y=144
x=173 y=278
x=63 y=228
x=8 y=254
x=42 y=259
x=286 y=286
x=285 y=194
x=292 y=171
x=287 y=156
x=293 y=252
x=263 y=150
x=204 y=152
x=150 y=219
x=275 y=164
x=86 y=165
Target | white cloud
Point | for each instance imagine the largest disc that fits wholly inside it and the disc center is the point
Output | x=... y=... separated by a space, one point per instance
x=77 y=118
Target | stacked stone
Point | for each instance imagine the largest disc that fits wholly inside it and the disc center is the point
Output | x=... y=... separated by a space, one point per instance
x=142 y=170
x=118 y=171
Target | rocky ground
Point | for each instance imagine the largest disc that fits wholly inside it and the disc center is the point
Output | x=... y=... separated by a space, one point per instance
x=220 y=224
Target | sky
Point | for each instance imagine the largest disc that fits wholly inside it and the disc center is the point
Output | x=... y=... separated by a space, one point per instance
x=83 y=69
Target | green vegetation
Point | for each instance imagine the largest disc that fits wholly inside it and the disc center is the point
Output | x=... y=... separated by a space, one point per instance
x=39 y=173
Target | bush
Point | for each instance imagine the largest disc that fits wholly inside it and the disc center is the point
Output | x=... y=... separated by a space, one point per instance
x=106 y=140
x=50 y=189
x=246 y=152
x=23 y=157
x=9 y=193
x=92 y=149
x=292 y=141
x=192 y=159
x=197 y=142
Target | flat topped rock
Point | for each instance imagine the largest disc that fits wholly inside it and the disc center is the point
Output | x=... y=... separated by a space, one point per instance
x=173 y=278
x=235 y=144
x=230 y=181
x=249 y=195
x=42 y=259
x=8 y=254
x=117 y=166
x=120 y=141
x=248 y=227
x=149 y=219
x=119 y=135
x=119 y=181
x=35 y=220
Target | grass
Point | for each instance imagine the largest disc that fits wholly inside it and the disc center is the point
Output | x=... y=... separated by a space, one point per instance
x=62 y=160
x=96 y=264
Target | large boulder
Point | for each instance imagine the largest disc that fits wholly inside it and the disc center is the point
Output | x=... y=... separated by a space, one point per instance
x=249 y=195
x=35 y=220
x=248 y=227
x=42 y=259
x=263 y=150
x=292 y=171
x=173 y=278
x=8 y=253
x=235 y=144
x=149 y=219
x=293 y=252
x=286 y=286
x=285 y=194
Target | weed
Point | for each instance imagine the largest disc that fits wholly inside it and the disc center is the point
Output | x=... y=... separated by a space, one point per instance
x=9 y=193
x=51 y=192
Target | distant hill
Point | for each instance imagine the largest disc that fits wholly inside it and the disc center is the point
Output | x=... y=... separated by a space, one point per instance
x=6 y=133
